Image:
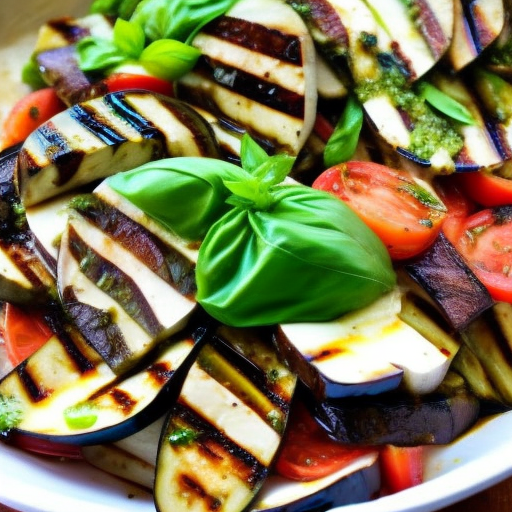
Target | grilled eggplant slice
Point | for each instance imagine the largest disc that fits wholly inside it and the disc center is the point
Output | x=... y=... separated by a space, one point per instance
x=258 y=70
x=222 y=434
x=477 y=24
x=24 y=276
x=367 y=352
x=402 y=419
x=98 y=138
x=125 y=280
x=450 y=283
x=68 y=394
x=55 y=56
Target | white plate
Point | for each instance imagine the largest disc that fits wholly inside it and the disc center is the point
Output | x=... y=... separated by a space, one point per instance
x=38 y=484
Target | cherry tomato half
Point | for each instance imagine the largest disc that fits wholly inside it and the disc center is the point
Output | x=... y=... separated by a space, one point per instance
x=126 y=81
x=486 y=245
x=486 y=189
x=405 y=215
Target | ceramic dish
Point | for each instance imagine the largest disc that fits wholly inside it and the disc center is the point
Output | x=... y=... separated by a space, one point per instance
x=32 y=483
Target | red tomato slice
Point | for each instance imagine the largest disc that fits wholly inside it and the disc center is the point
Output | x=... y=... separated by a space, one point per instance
x=308 y=453
x=28 y=114
x=485 y=244
x=323 y=128
x=126 y=81
x=24 y=332
x=390 y=202
x=401 y=467
x=486 y=189
x=459 y=205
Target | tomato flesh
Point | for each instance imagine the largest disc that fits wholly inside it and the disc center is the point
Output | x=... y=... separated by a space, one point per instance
x=486 y=245
x=387 y=201
x=127 y=81
x=308 y=453
x=401 y=467
x=486 y=189
x=24 y=332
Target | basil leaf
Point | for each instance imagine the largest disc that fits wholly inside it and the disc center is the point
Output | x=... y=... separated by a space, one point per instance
x=310 y=258
x=129 y=38
x=31 y=75
x=444 y=103
x=98 y=54
x=186 y=194
x=117 y=8
x=177 y=19
x=169 y=59
x=343 y=142
x=252 y=155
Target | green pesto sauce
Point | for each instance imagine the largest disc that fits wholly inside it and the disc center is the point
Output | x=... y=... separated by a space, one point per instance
x=431 y=132
x=501 y=55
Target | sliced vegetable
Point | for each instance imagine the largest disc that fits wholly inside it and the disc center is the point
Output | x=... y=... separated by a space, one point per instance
x=450 y=283
x=486 y=188
x=404 y=214
x=401 y=467
x=236 y=416
x=366 y=352
x=28 y=114
x=485 y=245
x=24 y=331
x=308 y=453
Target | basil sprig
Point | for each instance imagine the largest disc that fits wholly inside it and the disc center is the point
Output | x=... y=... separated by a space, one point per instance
x=343 y=142
x=270 y=252
x=166 y=58
x=177 y=19
x=445 y=103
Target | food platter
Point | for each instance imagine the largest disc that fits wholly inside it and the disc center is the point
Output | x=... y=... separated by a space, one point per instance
x=29 y=482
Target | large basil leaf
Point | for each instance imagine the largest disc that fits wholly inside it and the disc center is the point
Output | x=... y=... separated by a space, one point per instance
x=186 y=194
x=308 y=258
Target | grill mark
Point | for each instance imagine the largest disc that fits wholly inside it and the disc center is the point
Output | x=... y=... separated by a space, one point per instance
x=430 y=29
x=189 y=118
x=56 y=147
x=244 y=463
x=36 y=393
x=68 y=29
x=124 y=401
x=170 y=265
x=96 y=124
x=160 y=373
x=325 y=354
x=257 y=38
x=117 y=102
x=252 y=87
x=193 y=486
x=114 y=282
x=98 y=329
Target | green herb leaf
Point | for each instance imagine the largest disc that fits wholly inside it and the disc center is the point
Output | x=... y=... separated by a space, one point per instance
x=343 y=142
x=83 y=415
x=177 y=19
x=182 y=436
x=170 y=189
x=31 y=75
x=252 y=155
x=308 y=258
x=444 y=103
x=98 y=54
x=129 y=38
x=10 y=413
x=169 y=59
x=117 y=8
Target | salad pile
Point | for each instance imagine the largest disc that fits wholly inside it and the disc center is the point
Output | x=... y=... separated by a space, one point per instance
x=249 y=241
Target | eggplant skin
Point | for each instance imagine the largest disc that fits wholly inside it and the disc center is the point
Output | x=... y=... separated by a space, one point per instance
x=444 y=275
x=400 y=419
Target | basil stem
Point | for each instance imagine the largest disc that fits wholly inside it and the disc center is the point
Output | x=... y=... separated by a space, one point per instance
x=343 y=142
x=445 y=103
